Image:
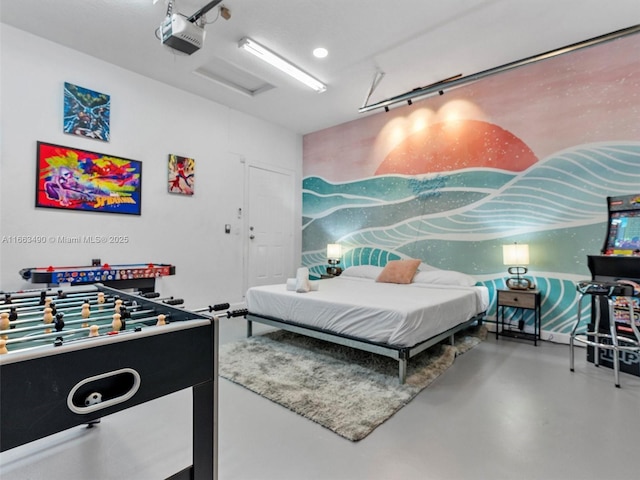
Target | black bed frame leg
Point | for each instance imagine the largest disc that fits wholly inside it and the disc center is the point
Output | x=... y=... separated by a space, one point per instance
x=402 y=370
x=249 y=328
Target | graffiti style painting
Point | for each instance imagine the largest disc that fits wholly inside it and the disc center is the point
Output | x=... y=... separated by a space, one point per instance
x=181 y=174
x=86 y=113
x=73 y=179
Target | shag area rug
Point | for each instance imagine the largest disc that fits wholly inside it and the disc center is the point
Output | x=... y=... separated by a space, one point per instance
x=348 y=391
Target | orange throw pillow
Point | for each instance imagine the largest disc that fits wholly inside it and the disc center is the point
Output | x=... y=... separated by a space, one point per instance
x=399 y=271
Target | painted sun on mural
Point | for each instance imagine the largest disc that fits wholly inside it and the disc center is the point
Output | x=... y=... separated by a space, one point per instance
x=456 y=145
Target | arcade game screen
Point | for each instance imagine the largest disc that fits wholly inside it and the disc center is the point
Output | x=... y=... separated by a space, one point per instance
x=624 y=233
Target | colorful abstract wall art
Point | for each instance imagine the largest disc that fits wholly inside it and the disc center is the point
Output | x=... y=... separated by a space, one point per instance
x=86 y=113
x=181 y=175
x=525 y=156
x=73 y=179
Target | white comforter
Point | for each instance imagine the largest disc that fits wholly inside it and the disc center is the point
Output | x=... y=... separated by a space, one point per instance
x=399 y=315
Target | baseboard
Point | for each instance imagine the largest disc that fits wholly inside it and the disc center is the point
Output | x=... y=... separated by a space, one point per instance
x=549 y=336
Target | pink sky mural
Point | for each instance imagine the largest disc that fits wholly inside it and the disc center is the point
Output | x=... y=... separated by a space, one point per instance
x=534 y=111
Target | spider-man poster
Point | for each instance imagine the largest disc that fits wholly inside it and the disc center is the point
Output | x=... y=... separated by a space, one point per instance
x=181 y=175
x=86 y=113
x=74 y=179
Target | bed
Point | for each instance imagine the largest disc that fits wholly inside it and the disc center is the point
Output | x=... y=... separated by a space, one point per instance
x=398 y=320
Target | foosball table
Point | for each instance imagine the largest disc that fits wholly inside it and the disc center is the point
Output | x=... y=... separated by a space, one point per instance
x=71 y=357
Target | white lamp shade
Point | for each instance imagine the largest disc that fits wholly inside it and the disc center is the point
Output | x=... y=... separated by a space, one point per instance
x=515 y=254
x=334 y=251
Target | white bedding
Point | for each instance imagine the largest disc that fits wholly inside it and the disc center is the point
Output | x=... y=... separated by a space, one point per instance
x=398 y=315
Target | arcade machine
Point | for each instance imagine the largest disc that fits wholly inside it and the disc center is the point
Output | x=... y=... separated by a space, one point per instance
x=620 y=260
x=72 y=357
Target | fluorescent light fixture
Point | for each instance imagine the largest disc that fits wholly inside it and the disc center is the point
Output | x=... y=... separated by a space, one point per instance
x=280 y=63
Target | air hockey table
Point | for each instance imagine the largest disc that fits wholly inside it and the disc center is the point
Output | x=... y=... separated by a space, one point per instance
x=140 y=276
x=55 y=376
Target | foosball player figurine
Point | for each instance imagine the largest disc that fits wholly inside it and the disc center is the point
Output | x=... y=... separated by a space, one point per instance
x=94 y=330
x=62 y=294
x=118 y=305
x=47 y=318
x=161 y=320
x=4 y=324
x=13 y=316
x=124 y=316
x=85 y=313
x=116 y=325
x=101 y=299
x=3 y=347
x=59 y=322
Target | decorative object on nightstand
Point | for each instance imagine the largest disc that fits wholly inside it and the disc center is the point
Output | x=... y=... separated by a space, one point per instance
x=519 y=301
x=334 y=254
x=517 y=255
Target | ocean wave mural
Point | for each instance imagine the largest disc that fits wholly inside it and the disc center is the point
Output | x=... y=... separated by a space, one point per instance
x=460 y=219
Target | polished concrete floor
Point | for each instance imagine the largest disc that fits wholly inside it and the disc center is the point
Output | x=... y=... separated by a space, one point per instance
x=504 y=410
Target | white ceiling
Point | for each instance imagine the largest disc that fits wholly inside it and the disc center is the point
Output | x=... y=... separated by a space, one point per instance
x=414 y=42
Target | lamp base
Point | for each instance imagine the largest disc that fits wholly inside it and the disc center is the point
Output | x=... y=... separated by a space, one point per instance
x=519 y=283
x=335 y=271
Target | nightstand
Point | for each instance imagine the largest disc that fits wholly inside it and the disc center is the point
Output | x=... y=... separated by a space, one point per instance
x=517 y=302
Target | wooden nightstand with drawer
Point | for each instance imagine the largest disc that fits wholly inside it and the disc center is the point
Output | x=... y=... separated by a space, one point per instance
x=518 y=302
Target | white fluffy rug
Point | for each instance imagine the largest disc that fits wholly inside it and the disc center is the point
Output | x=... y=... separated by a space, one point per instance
x=347 y=391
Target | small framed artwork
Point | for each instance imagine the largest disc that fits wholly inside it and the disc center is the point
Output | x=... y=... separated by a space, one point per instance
x=86 y=113
x=72 y=179
x=181 y=174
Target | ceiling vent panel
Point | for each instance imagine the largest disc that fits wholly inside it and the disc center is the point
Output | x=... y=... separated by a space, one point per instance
x=228 y=75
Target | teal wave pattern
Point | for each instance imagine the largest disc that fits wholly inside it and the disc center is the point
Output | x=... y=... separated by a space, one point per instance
x=559 y=200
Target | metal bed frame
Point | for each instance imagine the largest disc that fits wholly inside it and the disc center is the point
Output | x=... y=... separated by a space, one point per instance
x=401 y=354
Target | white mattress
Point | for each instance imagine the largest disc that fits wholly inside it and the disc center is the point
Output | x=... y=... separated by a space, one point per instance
x=399 y=315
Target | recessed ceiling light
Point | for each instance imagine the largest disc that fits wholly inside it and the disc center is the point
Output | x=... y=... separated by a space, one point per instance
x=320 y=52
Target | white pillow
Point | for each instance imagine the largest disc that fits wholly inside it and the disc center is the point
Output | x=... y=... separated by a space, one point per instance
x=424 y=267
x=362 y=271
x=445 y=277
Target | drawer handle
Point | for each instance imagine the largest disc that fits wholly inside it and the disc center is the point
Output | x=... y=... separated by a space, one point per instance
x=93 y=401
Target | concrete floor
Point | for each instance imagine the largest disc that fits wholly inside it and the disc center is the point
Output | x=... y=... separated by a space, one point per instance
x=504 y=410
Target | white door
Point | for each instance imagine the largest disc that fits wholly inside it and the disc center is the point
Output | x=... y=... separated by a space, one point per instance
x=270 y=226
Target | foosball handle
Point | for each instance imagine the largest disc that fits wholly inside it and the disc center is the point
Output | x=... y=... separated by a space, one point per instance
x=219 y=306
x=237 y=313
x=150 y=295
x=174 y=301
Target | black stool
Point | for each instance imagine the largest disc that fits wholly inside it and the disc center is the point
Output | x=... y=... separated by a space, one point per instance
x=609 y=341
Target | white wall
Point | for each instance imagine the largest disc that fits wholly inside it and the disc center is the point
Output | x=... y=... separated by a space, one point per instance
x=149 y=121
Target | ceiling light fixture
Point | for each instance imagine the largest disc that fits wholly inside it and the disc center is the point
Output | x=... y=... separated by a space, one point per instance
x=280 y=63
x=320 y=52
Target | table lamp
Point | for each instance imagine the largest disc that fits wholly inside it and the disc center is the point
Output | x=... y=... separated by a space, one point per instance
x=334 y=253
x=517 y=255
